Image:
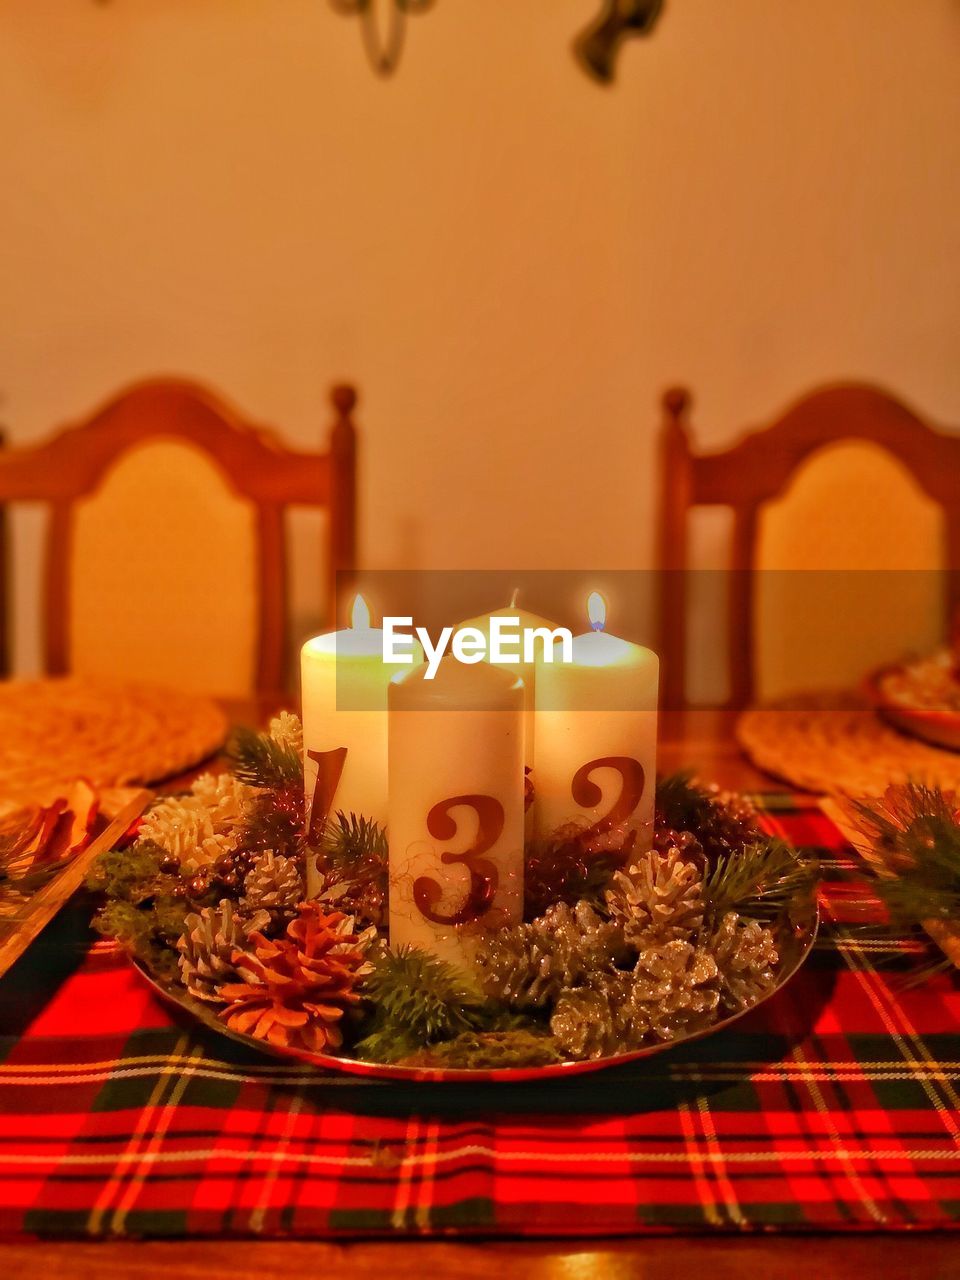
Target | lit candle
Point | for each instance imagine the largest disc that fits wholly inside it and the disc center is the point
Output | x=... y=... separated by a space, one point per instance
x=597 y=734
x=456 y=807
x=527 y=671
x=344 y=698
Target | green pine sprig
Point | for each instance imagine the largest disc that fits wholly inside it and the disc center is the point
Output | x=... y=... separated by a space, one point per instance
x=255 y=758
x=417 y=1001
x=915 y=832
x=760 y=881
x=351 y=841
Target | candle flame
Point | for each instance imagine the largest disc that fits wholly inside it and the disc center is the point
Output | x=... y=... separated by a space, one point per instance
x=596 y=610
x=516 y=592
x=360 y=614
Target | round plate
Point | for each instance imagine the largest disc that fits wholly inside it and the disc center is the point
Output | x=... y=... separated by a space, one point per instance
x=940 y=728
x=794 y=942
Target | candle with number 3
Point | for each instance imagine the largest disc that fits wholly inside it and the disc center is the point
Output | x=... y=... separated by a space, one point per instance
x=596 y=744
x=344 y=697
x=456 y=807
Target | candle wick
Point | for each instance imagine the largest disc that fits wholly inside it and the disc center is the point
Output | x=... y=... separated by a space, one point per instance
x=597 y=626
x=513 y=598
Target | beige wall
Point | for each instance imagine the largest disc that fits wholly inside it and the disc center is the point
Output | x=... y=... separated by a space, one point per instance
x=509 y=260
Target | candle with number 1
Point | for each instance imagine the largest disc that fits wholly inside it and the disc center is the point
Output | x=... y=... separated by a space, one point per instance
x=596 y=744
x=456 y=807
x=344 y=696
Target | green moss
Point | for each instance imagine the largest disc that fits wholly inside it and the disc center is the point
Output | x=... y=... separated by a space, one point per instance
x=417 y=1000
x=487 y=1050
x=131 y=874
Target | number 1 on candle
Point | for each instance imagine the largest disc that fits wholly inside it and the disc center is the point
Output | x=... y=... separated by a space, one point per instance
x=329 y=772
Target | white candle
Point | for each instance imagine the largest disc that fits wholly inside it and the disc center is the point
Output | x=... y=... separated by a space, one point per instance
x=596 y=739
x=527 y=671
x=344 y=698
x=456 y=806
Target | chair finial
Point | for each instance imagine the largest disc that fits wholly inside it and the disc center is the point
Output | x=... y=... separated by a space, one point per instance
x=343 y=397
x=676 y=401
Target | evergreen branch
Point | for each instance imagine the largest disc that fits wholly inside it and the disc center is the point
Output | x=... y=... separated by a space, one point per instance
x=759 y=881
x=914 y=833
x=351 y=840
x=259 y=761
x=680 y=803
x=417 y=1001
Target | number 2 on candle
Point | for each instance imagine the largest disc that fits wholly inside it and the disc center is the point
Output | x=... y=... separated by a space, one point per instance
x=586 y=792
x=329 y=772
x=484 y=876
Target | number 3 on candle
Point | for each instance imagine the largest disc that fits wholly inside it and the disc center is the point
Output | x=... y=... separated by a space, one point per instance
x=484 y=875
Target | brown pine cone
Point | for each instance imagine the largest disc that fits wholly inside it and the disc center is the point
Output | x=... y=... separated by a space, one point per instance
x=666 y=838
x=721 y=821
x=657 y=899
x=294 y=991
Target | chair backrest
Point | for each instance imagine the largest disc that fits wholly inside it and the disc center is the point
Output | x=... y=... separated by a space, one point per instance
x=64 y=471
x=756 y=471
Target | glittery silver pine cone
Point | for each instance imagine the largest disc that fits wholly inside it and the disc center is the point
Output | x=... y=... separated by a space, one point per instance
x=210 y=940
x=273 y=884
x=747 y=958
x=678 y=985
x=599 y=1018
x=657 y=899
x=529 y=965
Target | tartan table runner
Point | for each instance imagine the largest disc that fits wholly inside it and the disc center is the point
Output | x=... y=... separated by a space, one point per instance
x=836 y=1106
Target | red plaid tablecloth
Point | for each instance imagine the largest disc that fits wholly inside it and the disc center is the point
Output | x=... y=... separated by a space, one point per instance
x=836 y=1106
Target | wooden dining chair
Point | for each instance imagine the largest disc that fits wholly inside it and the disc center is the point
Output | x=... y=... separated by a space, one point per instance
x=165 y=519
x=757 y=471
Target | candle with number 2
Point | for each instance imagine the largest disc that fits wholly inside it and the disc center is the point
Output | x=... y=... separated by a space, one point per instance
x=344 y=697
x=456 y=807
x=596 y=744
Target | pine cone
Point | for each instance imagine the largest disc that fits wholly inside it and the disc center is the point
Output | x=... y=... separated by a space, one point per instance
x=294 y=991
x=658 y=899
x=727 y=822
x=666 y=838
x=201 y=826
x=210 y=940
x=530 y=964
x=746 y=955
x=286 y=731
x=678 y=985
x=273 y=884
x=599 y=1018
x=721 y=821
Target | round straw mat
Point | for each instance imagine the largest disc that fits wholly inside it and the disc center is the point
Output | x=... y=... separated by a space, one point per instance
x=848 y=751
x=53 y=731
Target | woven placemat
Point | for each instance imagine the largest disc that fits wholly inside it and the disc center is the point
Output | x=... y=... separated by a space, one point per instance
x=55 y=730
x=848 y=751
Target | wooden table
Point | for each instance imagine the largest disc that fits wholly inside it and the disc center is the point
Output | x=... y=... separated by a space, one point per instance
x=701 y=740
